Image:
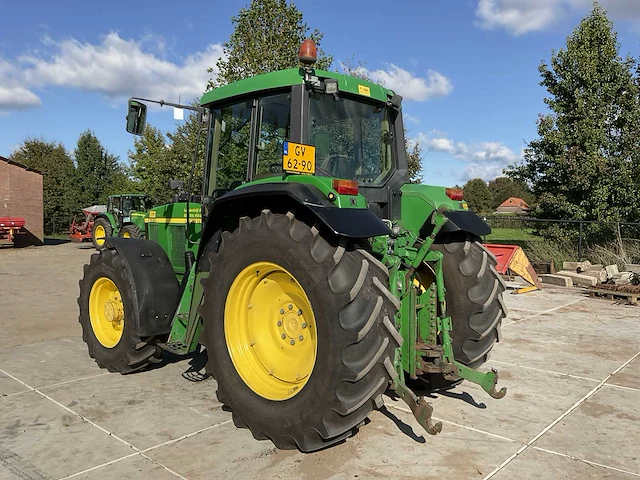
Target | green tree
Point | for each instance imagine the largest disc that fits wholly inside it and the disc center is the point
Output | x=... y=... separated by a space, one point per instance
x=53 y=160
x=585 y=162
x=151 y=166
x=97 y=170
x=502 y=188
x=266 y=37
x=478 y=196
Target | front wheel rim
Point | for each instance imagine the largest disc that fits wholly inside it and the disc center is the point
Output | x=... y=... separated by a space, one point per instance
x=270 y=331
x=100 y=234
x=106 y=312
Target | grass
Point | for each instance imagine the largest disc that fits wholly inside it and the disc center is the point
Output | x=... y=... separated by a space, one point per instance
x=512 y=235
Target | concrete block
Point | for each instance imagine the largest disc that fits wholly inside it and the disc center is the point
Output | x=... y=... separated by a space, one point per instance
x=599 y=275
x=611 y=270
x=579 y=279
x=573 y=266
x=632 y=267
x=556 y=280
x=597 y=266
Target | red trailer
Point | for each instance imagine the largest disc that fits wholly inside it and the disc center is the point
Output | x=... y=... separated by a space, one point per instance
x=80 y=229
x=10 y=227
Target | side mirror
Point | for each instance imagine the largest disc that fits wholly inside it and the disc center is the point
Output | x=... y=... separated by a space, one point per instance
x=176 y=184
x=137 y=117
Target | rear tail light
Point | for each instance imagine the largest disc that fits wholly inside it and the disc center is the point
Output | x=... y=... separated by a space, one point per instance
x=345 y=187
x=454 y=193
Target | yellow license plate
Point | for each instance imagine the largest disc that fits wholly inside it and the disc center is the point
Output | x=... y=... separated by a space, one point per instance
x=298 y=158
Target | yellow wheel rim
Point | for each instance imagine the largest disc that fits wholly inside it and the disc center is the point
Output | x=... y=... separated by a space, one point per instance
x=126 y=235
x=270 y=331
x=100 y=233
x=106 y=312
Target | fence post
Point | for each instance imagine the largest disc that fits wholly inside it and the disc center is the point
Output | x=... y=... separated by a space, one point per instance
x=580 y=242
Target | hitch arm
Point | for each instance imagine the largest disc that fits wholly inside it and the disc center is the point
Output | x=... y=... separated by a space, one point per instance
x=421 y=410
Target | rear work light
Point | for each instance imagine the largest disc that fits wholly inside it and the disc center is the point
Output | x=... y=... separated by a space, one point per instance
x=345 y=187
x=454 y=193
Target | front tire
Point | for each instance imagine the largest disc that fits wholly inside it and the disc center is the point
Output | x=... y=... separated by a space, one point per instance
x=355 y=339
x=101 y=229
x=106 y=316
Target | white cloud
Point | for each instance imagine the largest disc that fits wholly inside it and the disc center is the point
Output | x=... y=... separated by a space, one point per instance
x=115 y=67
x=13 y=94
x=409 y=86
x=404 y=82
x=484 y=160
x=524 y=16
x=120 y=68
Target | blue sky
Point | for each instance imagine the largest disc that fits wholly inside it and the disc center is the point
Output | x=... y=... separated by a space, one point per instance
x=466 y=68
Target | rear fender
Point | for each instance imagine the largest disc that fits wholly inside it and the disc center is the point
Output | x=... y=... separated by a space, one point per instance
x=457 y=221
x=304 y=200
x=156 y=289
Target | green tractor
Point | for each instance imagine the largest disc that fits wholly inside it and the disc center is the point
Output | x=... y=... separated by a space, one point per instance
x=124 y=217
x=320 y=278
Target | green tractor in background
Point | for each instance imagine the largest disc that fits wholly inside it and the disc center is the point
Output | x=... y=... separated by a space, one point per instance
x=318 y=278
x=121 y=219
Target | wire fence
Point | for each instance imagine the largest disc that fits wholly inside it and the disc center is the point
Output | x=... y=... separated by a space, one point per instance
x=543 y=240
x=599 y=242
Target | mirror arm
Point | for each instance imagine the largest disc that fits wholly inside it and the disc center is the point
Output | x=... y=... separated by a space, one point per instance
x=162 y=103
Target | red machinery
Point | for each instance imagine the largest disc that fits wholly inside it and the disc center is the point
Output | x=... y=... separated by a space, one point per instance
x=80 y=229
x=10 y=227
x=512 y=260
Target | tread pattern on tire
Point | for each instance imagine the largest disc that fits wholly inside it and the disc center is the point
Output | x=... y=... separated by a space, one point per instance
x=136 y=353
x=108 y=230
x=359 y=281
x=134 y=230
x=474 y=298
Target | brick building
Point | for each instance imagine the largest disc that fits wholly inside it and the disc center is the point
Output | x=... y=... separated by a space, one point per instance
x=21 y=196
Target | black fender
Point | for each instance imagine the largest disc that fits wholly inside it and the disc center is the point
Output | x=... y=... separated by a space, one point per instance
x=302 y=199
x=156 y=288
x=464 y=221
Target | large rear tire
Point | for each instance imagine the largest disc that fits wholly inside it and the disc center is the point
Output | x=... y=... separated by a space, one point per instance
x=108 y=326
x=474 y=297
x=336 y=287
x=131 y=231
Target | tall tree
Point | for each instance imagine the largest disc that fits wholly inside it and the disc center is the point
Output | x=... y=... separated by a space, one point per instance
x=478 y=196
x=582 y=165
x=97 y=170
x=53 y=160
x=151 y=165
x=501 y=188
x=266 y=37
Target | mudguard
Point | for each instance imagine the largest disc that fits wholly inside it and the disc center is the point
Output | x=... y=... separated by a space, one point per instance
x=289 y=196
x=458 y=221
x=156 y=289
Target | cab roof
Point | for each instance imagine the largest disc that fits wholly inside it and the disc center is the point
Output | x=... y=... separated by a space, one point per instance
x=295 y=76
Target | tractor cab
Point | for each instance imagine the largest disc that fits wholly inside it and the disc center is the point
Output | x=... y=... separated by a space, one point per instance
x=121 y=206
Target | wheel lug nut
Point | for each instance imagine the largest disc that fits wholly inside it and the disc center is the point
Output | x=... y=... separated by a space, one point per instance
x=292 y=342
x=281 y=310
x=299 y=312
x=290 y=306
x=300 y=338
x=250 y=307
x=283 y=336
x=304 y=325
x=279 y=322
